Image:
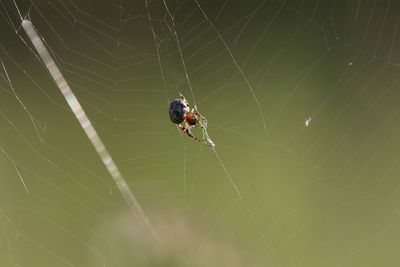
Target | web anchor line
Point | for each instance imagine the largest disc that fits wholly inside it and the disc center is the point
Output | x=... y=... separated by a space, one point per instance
x=87 y=126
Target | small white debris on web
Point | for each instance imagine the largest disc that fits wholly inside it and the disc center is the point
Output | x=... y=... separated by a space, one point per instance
x=307 y=122
x=350 y=64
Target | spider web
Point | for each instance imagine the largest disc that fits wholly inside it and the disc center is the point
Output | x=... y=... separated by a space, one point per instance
x=273 y=192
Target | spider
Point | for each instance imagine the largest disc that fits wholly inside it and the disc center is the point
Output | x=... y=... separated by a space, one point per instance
x=179 y=112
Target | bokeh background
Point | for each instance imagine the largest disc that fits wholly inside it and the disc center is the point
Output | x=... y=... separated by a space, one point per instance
x=323 y=195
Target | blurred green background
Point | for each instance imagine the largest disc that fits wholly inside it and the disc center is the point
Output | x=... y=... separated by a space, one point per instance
x=323 y=195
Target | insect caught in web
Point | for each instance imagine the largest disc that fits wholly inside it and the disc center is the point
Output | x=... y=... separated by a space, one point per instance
x=180 y=113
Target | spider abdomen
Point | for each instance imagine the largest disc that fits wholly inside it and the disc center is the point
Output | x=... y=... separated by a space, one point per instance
x=178 y=110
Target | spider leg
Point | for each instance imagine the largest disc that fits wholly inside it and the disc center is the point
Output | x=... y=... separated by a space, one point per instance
x=190 y=134
x=182 y=97
x=201 y=116
x=186 y=130
x=196 y=112
x=199 y=122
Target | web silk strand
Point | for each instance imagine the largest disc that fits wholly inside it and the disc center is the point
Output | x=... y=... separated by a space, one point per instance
x=86 y=124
